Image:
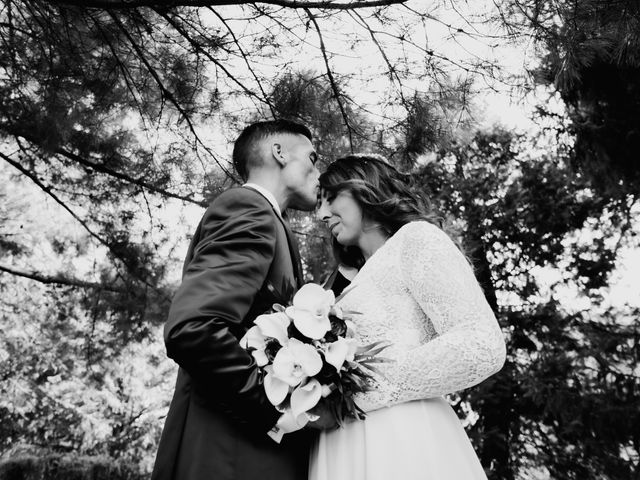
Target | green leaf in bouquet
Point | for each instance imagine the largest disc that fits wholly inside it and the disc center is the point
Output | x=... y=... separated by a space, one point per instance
x=360 y=373
x=373 y=369
x=377 y=360
x=372 y=349
x=353 y=410
x=357 y=381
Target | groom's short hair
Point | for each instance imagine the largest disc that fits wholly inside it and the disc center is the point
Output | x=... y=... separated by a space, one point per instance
x=245 y=155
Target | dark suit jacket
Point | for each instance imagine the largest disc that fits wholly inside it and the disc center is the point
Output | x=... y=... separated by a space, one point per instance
x=219 y=416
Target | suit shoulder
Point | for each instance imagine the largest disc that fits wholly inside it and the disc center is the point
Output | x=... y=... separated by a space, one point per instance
x=239 y=201
x=241 y=196
x=240 y=210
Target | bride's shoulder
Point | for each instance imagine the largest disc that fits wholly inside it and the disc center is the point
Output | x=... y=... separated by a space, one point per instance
x=420 y=230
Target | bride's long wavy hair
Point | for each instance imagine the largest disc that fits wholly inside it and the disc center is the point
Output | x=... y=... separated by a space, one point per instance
x=387 y=197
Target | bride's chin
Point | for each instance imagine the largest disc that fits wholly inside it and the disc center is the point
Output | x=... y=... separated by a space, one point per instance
x=344 y=243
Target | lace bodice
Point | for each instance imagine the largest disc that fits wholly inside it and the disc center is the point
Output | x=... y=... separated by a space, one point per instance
x=419 y=293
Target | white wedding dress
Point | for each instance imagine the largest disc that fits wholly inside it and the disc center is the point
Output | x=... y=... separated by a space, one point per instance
x=419 y=293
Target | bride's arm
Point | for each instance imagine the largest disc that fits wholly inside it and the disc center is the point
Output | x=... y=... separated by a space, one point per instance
x=469 y=345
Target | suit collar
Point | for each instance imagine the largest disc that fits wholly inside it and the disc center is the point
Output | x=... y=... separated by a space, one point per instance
x=266 y=194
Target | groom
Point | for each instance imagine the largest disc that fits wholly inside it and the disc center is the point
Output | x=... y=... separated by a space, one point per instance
x=242 y=253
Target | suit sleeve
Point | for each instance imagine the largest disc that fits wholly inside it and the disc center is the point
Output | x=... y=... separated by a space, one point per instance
x=228 y=267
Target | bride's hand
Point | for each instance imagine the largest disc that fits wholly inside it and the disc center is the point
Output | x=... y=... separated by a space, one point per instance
x=325 y=420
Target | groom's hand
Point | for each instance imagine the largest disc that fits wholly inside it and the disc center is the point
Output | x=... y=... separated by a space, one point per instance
x=325 y=421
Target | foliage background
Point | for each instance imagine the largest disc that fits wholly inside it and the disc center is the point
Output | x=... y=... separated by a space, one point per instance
x=115 y=130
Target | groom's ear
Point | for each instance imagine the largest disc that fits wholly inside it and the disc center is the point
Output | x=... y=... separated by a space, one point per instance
x=278 y=154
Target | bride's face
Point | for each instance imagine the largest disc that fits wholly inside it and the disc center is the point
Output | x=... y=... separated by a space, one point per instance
x=343 y=217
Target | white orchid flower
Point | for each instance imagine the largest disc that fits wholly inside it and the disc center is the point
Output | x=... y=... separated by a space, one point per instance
x=274 y=325
x=343 y=349
x=266 y=326
x=305 y=397
x=310 y=310
x=295 y=362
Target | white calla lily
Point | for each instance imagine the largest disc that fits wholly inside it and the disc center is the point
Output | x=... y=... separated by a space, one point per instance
x=260 y=357
x=305 y=397
x=274 y=325
x=276 y=389
x=253 y=339
x=290 y=422
x=295 y=362
x=343 y=349
x=310 y=310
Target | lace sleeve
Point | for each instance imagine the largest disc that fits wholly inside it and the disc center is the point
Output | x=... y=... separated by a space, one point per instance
x=469 y=345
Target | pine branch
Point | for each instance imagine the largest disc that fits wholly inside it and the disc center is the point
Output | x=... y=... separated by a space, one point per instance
x=200 y=48
x=108 y=171
x=295 y=4
x=126 y=74
x=167 y=94
x=84 y=224
x=60 y=280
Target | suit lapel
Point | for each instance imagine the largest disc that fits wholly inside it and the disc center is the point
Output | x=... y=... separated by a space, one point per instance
x=293 y=246
x=295 y=253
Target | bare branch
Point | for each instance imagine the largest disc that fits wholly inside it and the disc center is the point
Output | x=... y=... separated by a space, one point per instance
x=393 y=72
x=334 y=85
x=246 y=60
x=61 y=280
x=326 y=4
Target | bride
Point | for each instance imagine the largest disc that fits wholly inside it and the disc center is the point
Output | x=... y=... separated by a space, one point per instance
x=417 y=291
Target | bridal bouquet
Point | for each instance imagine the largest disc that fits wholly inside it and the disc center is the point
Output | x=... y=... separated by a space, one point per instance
x=308 y=352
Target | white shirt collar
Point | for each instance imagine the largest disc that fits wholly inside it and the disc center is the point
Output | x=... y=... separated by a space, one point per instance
x=266 y=194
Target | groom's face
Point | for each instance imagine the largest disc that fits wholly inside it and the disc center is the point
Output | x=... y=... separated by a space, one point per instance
x=300 y=174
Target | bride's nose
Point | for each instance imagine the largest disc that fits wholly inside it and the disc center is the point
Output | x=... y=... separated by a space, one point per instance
x=322 y=213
